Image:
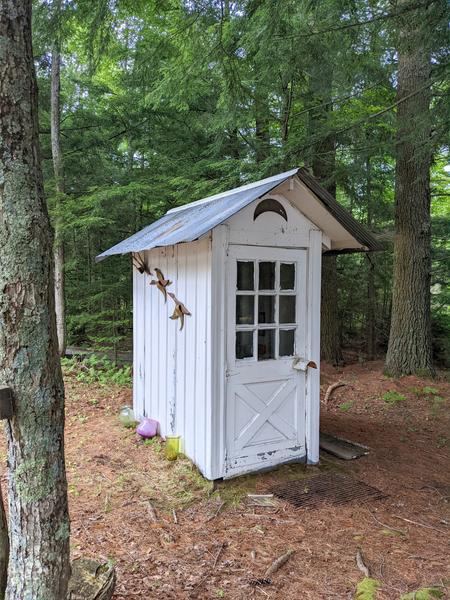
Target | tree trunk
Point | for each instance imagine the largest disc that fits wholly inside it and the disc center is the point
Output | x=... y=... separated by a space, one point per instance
x=409 y=349
x=55 y=126
x=323 y=166
x=4 y=548
x=371 y=342
x=262 y=132
x=371 y=289
x=38 y=516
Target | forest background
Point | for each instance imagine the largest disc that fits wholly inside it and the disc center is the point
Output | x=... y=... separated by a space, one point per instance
x=165 y=102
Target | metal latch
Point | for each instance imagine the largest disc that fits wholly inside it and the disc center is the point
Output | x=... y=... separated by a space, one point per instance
x=301 y=364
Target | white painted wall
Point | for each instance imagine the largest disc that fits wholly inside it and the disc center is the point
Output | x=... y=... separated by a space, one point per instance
x=180 y=376
x=172 y=368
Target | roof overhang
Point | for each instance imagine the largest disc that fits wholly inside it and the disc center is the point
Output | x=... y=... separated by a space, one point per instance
x=189 y=222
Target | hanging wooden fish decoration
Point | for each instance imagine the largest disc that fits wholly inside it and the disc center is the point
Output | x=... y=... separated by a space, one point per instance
x=140 y=264
x=161 y=283
x=179 y=311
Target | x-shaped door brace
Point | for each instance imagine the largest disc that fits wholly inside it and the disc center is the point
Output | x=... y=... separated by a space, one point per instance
x=265 y=412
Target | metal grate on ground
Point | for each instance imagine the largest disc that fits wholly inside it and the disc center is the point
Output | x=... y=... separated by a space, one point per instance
x=331 y=488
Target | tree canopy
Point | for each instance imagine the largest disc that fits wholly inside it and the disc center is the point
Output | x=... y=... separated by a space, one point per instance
x=163 y=103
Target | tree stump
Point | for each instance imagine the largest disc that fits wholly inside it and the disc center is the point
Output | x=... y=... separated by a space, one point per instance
x=91 y=580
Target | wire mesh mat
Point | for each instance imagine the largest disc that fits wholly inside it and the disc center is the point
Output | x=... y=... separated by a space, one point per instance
x=331 y=488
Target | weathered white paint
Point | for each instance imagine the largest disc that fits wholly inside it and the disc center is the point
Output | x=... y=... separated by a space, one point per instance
x=265 y=407
x=172 y=368
x=188 y=380
x=313 y=346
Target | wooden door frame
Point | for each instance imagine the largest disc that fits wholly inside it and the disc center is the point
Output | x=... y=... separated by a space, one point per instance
x=219 y=275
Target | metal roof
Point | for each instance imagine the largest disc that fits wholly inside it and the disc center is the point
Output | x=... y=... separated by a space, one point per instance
x=189 y=222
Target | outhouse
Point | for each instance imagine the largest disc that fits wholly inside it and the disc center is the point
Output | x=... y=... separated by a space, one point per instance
x=226 y=294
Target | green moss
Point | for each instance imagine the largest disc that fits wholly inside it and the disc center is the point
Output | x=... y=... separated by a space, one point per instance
x=367 y=589
x=424 y=594
x=33 y=480
x=63 y=531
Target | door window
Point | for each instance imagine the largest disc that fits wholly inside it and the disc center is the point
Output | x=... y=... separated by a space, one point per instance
x=266 y=318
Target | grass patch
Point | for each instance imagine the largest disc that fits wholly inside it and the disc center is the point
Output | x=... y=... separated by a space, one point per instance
x=345 y=406
x=392 y=397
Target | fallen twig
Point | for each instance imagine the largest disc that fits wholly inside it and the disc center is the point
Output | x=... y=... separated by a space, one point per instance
x=420 y=524
x=152 y=512
x=331 y=389
x=401 y=531
x=175 y=518
x=222 y=546
x=214 y=515
x=361 y=564
x=278 y=563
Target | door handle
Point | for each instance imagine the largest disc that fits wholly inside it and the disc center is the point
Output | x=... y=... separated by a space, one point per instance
x=301 y=364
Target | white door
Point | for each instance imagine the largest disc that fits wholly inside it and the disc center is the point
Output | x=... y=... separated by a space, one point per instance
x=266 y=317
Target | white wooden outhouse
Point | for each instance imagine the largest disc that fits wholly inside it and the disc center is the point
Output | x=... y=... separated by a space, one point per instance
x=240 y=381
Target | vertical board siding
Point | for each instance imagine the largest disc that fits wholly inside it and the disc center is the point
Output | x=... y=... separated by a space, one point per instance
x=172 y=381
x=138 y=343
x=313 y=375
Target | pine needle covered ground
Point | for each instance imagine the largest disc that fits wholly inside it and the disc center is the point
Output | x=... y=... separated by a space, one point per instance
x=124 y=493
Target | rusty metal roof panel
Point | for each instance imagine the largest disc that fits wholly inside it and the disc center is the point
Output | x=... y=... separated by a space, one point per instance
x=189 y=222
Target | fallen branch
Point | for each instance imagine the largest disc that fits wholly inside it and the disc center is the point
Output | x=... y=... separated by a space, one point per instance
x=400 y=531
x=331 y=389
x=361 y=564
x=420 y=524
x=278 y=563
x=214 y=515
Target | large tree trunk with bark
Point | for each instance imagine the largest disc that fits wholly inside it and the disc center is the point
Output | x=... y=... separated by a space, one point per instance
x=323 y=167
x=4 y=548
x=409 y=349
x=29 y=364
x=55 y=127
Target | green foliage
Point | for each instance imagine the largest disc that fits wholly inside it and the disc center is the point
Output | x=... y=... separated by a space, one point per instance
x=165 y=103
x=97 y=369
x=345 y=406
x=424 y=594
x=367 y=589
x=393 y=397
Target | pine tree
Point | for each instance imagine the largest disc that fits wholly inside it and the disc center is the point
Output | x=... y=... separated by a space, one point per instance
x=29 y=364
x=410 y=348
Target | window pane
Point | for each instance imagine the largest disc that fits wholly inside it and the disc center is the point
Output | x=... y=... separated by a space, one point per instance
x=266 y=309
x=266 y=344
x=287 y=276
x=287 y=309
x=266 y=275
x=245 y=310
x=244 y=344
x=245 y=275
x=287 y=344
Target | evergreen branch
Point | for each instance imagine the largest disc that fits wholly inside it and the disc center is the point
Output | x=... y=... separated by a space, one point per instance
x=353 y=24
x=338 y=100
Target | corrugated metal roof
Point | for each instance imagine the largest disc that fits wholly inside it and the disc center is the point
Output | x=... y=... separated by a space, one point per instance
x=189 y=222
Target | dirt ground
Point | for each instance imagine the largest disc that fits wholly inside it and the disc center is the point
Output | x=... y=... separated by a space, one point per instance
x=220 y=542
